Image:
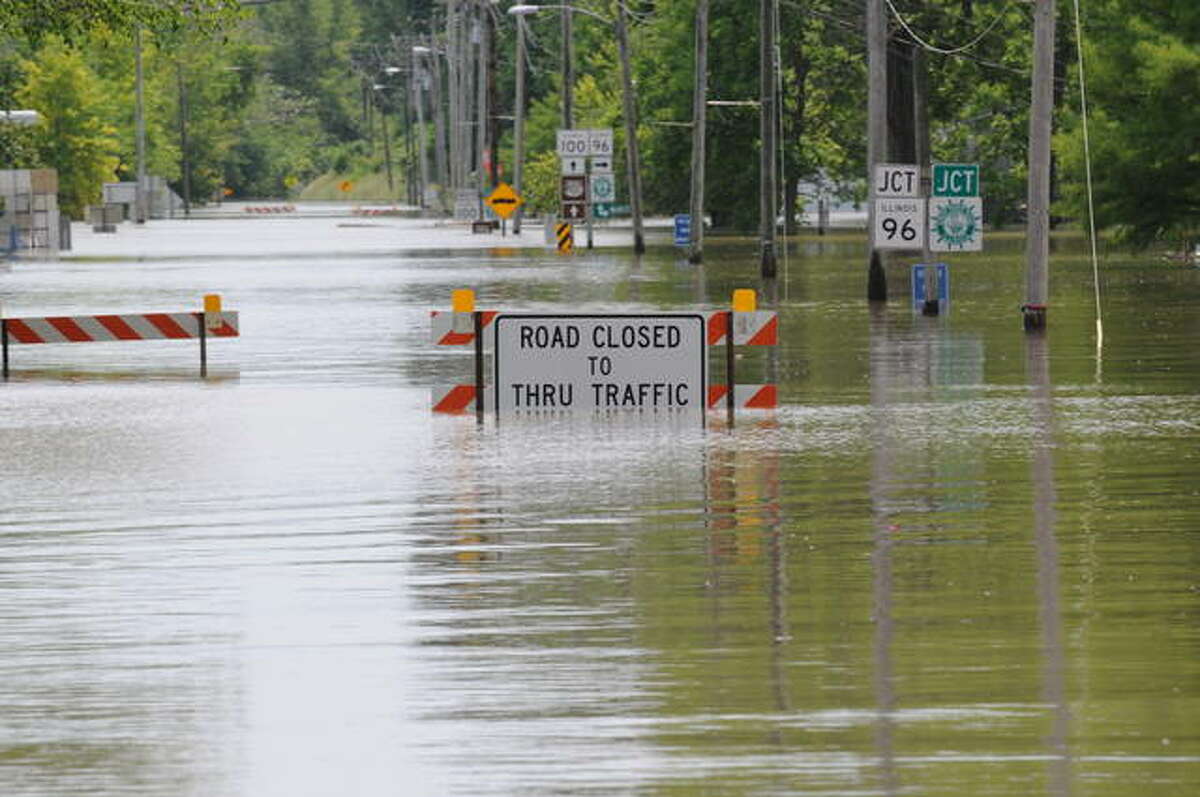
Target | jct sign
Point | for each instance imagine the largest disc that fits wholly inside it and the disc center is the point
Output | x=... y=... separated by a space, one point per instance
x=600 y=362
x=955 y=179
x=897 y=180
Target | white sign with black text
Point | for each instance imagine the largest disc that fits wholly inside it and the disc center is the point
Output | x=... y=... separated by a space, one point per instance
x=572 y=143
x=897 y=180
x=600 y=362
x=899 y=224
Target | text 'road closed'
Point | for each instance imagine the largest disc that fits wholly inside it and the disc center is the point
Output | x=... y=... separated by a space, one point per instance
x=598 y=362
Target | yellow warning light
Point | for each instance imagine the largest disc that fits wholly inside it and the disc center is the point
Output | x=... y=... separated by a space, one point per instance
x=212 y=303
x=463 y=300
x=745 y=300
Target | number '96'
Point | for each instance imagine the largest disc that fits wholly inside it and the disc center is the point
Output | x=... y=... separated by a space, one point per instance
x=892 y=228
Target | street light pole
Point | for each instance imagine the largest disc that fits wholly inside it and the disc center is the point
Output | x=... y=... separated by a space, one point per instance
x=186 y=166
x=699 y=125
x=766 y=134
x=440 y=133
x=631 y=142
x=418 y=78
x=387 y=145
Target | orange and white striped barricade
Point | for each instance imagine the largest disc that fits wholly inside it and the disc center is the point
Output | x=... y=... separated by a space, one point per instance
x=750 y=327
x=212 y=322
x=457 y=399
x=462 y=326
x=449 y=328
x=746 y=397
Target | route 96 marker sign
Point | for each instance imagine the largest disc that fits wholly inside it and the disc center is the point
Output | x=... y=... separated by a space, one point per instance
x=899 y=223
x=600 y=362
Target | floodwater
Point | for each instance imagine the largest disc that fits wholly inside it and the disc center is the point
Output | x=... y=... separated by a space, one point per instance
x=958 y=559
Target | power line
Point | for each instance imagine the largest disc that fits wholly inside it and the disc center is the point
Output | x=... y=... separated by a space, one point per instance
x=943 y=50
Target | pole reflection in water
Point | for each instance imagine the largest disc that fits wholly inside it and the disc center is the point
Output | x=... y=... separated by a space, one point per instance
x=920 y=481
x=1058 y=780
x=743 y=515
x=882 y=475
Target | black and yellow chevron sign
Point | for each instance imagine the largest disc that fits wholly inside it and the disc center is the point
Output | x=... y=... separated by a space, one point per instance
x=566 y=238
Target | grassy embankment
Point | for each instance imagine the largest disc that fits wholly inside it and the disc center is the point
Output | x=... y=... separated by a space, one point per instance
x=371 y=187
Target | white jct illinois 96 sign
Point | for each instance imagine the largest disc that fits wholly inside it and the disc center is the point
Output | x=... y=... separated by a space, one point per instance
x=600 y=362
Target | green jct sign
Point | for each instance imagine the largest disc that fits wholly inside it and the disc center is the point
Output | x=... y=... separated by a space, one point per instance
x=956 y=179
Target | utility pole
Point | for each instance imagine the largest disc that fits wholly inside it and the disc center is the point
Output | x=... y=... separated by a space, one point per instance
x=419 y=78
x=453 y=95
x=519 y=121
x=481 y=110
x=699 y=124
x=568 y=67
x=387 y=148
x=877 y=36
x=631 y=142
x=768 y=202
x=438 y=109
x=139 y=109
x=1037 y=236
x=920 y=75
x=186 y=166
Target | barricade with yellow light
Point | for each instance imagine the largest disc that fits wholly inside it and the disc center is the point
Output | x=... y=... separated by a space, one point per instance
x=582 y=361
x=211 y=322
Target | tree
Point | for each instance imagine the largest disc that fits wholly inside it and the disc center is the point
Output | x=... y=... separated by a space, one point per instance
x=1144 y=94
x=75 y=137
x=35 y=20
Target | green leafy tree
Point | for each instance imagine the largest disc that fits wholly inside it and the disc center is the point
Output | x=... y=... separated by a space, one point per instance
x=74 y=137
x=34 y=20
x=1144 y=96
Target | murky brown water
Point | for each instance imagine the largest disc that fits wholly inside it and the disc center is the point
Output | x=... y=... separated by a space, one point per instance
x=957 y=560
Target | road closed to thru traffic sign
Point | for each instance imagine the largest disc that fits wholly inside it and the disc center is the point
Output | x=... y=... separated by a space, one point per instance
x=600 y=362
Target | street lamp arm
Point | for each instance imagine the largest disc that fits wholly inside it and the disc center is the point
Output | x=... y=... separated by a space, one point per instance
x=522 y=10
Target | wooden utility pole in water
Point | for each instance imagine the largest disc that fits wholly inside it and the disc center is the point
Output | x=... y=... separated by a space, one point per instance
x=568 y=67
x=876 y=135
x=924 y=163
x=632 y=159
x=699 y=123
x=766 y=126
x=139 y=113
x=1037 y=236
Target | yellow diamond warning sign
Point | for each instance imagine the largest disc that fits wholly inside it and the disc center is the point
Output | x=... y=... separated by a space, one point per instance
x=504 y=200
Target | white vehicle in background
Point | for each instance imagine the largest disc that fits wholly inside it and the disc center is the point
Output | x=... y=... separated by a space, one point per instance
x=830 y=204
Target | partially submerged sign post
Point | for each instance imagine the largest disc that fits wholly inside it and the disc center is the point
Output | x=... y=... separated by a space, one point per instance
x=598 y=363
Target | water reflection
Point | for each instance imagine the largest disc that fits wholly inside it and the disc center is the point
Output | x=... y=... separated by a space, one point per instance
x=1054 y=675
x=951 y=563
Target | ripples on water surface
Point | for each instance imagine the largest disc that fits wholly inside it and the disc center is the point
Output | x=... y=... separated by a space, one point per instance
x=957 y=560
